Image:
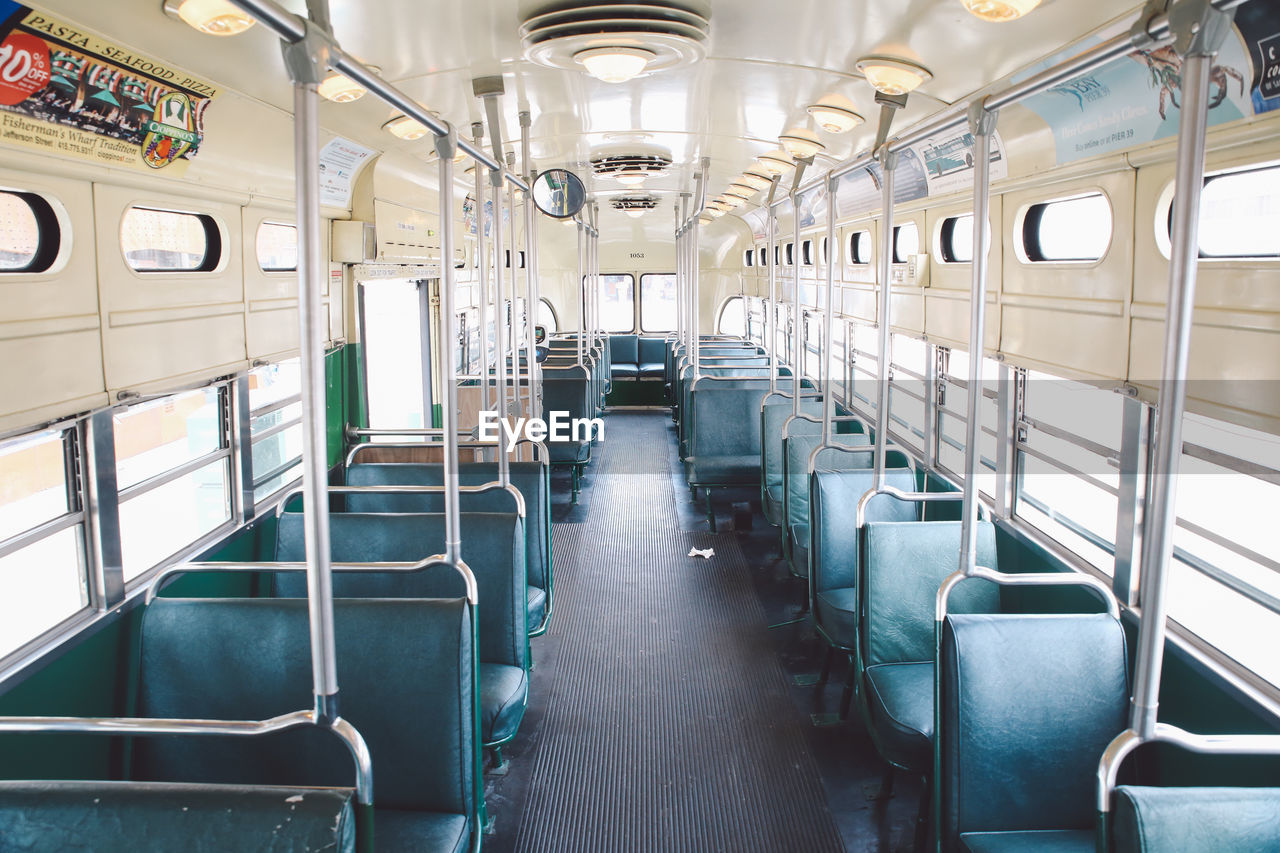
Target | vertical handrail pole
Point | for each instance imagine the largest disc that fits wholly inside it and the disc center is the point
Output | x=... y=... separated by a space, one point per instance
x=530 y=266
x=307 y=62
x=828 y=358
x=501 y=332
x=1198 y=40
x=797 y=311
x=581 y=288
x=446 y=147
x=884 y=268
x=482 y=261
x=771 y=221
x=982 y=124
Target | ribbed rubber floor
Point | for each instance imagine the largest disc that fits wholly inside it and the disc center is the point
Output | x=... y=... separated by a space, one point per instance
x=668 y=725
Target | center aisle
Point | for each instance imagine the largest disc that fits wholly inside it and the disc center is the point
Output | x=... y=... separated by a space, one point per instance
x=664 y=721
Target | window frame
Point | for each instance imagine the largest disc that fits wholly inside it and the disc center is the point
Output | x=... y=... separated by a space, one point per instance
x=724 y=306
x=1164 y=217
x=1027 y=230
x=635 y=301
x=49 y=242
x=853 y=242
x=215 y=245
x=640 y=326
x=283 y=271
x=898 y=257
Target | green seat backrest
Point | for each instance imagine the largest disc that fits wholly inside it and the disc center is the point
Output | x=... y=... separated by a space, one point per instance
x=776 y=412
x=1195 y=820
x=492 y=547
x=903 y=564
x=531 y=478
x=623 y=349
x=651 y=351
x=726 y=420
x=55 y=817
x=1028 y=705
x=798 y=448
x=833 y=500
x=406 y=674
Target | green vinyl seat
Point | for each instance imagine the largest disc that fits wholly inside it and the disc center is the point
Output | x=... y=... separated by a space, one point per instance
x=801 y=438
x=1029 y=703
x=1195 y=819
x=406 y=669
x=650 y=357
x=492 y=547
x=902 y=566
x=532 y=479
x=834 y=554
x=776 y=411
x=153 y=817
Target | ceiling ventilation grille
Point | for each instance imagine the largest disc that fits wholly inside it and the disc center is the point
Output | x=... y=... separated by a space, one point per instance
x=630 y=165
x=634 y=202
x=675 y=32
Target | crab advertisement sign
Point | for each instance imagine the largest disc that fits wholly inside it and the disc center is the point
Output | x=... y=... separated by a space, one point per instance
x=1137 y=99
x=69 y=92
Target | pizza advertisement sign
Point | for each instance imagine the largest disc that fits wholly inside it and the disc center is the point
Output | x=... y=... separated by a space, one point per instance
x=66 y=91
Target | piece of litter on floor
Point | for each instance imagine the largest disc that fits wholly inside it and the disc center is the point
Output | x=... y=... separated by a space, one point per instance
x=702 y=552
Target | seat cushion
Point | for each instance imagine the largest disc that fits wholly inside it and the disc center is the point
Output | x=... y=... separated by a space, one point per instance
x=1032 y=841
x=837 y=615
x=1195 y=820
x=537 y=606
x=568 y=452
x=624 y=370
x=504 y=692
x=36 y=817
x=652 y=369
x=428 y=832
x=723 y=470
x=900 y=701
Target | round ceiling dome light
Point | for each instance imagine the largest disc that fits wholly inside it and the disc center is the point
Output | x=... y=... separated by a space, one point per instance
x=1000 y=10
x=616 y=64
x=755 y=180
x=407 y=128
x=801 y=143
x=743 y=188
x=616 y=41
x=211 y=17
x=713 y=212
x=630 y=179
x=835 y=114
x=776 y=162
x=717 y=204
x=893 y=76
x=732 y=200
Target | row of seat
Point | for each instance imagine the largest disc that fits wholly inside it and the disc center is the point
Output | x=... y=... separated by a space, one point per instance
x=579 y=390
x=427 y=679
x=1004 y=714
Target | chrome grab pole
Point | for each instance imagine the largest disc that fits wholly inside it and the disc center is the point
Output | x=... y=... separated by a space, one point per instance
x=500 y=300
x=884 y=268
x=445 y=148
x=482 y=261
x=513 y=340
x=771 y=221
x=306 y=61
x=1198 y=38
x=582 y=289
x=797 y=311
x=828 y=359
x=982 y=124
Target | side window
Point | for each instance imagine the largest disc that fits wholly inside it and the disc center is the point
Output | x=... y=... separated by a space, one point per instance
x=806 y=253
x=277 y=247
x=29 y=233
x=955 y=239
x=791 y=254
x=907 y=390
x=42 y=524
x=906 y=242
x=953 y=410
x=1240 y=214
x=547 y=316
x=860 y=247
x=170 y=241
x=732 y=319
x=275 y=426
x=1067 y=230
x=749 y=258
x=173 y=468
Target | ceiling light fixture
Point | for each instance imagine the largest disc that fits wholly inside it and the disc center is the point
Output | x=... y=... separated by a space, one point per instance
x=630 y=179
x=833 y=117
x=406 y=128
x=340 y=89
x=713 y=212
x=1000 y=10
x=776 y=162
x=743 y=188
x=755 y=180
x=732 y=200
x=635 y=213
x=614 y=64
x=801 y=143
x=211 y=17
x=893 y=76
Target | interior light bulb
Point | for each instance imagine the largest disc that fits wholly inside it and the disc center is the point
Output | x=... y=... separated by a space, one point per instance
x=1000 y=10
x=406 y=128
x=214 y=17
x=340 y=89
x=833 y=118
x=630 y=179
x=893 y=76
x=801 y=143
x=776 y=162
x=614 y=64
